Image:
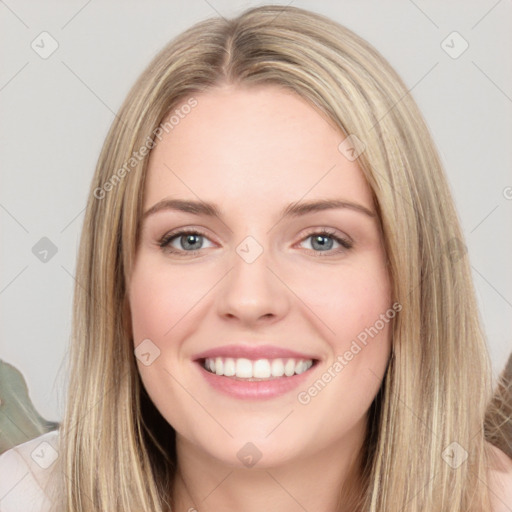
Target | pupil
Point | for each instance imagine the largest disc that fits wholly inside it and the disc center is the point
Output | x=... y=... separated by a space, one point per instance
x=190 y=239
x=320 y=239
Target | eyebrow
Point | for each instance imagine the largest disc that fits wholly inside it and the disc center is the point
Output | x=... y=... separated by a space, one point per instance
x=296 y=209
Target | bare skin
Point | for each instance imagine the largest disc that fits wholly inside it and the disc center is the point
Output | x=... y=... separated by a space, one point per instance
x=253 y=152
x=500 y=481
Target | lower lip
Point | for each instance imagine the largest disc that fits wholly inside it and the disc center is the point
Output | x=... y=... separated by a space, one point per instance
x=245 y=389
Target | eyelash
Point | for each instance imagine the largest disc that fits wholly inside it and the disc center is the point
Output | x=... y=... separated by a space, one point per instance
x=169 y=237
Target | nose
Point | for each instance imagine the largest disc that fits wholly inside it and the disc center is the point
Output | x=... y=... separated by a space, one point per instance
x=252 y=293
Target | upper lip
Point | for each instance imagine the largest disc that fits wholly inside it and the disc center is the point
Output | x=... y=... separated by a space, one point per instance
x=253 y=352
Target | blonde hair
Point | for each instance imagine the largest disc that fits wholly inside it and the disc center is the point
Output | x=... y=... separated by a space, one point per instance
x=117 y=450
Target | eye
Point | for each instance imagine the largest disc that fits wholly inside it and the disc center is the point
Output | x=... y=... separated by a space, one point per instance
x=189 y=242
x=324 y=239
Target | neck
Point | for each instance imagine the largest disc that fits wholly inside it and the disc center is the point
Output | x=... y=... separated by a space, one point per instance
x=329 y=480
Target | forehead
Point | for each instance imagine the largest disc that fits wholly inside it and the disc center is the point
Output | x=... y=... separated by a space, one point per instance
x=258 y=146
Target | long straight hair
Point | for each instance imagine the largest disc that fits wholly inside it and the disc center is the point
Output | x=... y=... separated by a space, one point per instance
x=117 y=451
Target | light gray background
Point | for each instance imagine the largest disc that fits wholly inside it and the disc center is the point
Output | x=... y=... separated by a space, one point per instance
x=55 y=114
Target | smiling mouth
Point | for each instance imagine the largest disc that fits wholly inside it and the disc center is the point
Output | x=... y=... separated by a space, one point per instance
x=256 y=370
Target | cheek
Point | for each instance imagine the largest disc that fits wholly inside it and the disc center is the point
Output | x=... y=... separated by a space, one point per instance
x=151 y=307
x=355 y=304
x=160 y=299
x=349 y=300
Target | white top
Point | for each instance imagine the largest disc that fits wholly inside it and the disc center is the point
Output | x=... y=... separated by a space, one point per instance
x=25 y=472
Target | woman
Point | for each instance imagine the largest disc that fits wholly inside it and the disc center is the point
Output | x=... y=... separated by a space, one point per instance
x=274 y=305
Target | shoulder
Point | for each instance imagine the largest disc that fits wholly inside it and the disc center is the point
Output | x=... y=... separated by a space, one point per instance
x=500 y=474
x=25 y=472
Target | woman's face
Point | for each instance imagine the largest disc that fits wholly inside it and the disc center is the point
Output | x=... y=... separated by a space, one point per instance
x=260 y=290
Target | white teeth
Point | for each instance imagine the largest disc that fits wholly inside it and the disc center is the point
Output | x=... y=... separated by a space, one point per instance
x=260 y=369
x=301 y=367
x=243 y=368
x=229 y=367
x=219 y=366
x=277 y=368
x=289 y=367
